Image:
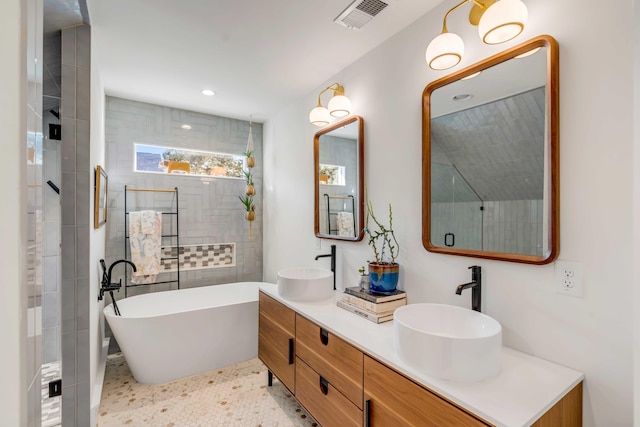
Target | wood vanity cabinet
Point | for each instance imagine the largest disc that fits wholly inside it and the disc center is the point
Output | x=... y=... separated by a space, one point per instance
x=328 y=375
x=342 y=386
x=276 y=339
x=393 y=400
x=336 y=360
x=324 y=401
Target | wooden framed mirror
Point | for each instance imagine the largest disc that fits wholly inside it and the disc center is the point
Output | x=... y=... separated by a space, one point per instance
x=338 y=162
x=490 y=168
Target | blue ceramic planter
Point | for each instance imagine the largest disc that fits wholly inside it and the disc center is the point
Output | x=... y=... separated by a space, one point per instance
x=383 y=277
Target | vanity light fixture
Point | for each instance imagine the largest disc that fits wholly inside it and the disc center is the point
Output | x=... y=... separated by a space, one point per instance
x=469 y=77
x=339 y=106
x=529 y=53
x=497 y=21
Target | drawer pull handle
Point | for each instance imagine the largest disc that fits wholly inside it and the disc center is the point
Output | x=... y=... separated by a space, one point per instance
x=324 y=385
x=324 y=336
x=367 y=413
x=290 y=351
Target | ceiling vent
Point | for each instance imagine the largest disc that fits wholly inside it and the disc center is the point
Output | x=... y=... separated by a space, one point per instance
x=358 y=13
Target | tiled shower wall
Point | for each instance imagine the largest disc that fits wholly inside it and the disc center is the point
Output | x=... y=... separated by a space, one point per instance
x=462 y=219
x=77 y=177
x=512 y=226
x=210 y=211
x=51 y=245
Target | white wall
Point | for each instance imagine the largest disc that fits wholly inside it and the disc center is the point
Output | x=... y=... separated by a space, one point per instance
x=591 y=334
x=96 y=242
x=13 y=304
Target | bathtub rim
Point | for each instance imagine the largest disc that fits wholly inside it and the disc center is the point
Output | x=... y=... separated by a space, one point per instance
x=108 y=310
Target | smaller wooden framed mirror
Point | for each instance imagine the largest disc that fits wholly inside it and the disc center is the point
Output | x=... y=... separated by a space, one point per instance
x=338 y=153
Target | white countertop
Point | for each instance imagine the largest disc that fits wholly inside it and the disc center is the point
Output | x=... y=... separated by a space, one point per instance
x=525 y=389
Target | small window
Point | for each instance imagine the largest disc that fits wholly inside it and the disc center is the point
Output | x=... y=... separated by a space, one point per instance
x=154 y=159
x=331 y=174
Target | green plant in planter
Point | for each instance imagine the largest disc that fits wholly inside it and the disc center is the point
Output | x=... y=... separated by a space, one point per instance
x=249 y=206
x=384 y=271
x=383 y=238
x=251 y=161
x=250 y=190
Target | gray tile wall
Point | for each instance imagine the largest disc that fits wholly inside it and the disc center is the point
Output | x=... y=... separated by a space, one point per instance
x=210 y=211
x=77 y=177
x=51 y=245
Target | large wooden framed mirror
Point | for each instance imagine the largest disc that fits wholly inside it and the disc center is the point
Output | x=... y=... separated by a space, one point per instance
x=338 y=154
x=491 y=157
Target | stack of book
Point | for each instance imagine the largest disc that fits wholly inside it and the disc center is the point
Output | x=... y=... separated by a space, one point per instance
x=374 y=307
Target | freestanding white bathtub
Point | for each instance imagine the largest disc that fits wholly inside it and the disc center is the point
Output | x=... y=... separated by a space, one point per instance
x=169 y=335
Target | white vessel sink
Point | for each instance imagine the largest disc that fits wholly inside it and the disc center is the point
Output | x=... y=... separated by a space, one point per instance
x=448 y=342
x=305 y=284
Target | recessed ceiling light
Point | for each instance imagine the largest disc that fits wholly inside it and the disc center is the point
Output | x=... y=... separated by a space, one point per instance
x=463 y=97
x=186 y=127
x=208 y=92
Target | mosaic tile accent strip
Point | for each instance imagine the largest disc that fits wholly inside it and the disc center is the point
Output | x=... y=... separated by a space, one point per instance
x=237 y=395
x=51 y=406
x=197 y=257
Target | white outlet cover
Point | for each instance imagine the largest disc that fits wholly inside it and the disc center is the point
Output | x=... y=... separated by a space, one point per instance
x=568 y=278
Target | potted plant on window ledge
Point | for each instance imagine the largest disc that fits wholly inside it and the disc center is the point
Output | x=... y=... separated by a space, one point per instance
x=384 y=271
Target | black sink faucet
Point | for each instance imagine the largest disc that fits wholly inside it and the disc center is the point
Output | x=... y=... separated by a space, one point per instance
x=333 y=262
x=476 y=287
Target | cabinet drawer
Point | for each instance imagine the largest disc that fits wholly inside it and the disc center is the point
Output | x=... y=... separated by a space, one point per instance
x=396 y=401
x=278 y=313
x=323 y=401
x=333 y=358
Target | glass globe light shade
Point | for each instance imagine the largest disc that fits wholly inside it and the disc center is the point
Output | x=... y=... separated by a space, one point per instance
x=339 y=106
x=319 y=116
x=502 y=21
x=445 y=51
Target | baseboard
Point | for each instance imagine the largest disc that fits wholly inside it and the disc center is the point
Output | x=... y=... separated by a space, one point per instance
x=97 y=390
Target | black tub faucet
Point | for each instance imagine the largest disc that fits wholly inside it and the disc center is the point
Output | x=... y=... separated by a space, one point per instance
x=333 y=262
x=106 y=275
x=476 y=287
x=107 y=286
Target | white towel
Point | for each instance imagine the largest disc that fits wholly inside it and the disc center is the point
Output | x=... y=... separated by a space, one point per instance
x=344 y=220
x=148 y=221
x=145 y=235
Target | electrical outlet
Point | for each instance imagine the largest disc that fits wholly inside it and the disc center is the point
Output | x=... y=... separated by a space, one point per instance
x=568 y=278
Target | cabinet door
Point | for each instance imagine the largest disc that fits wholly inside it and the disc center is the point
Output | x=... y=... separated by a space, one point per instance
x=278 y=313
x=276 y=344
x=323 y=401
x=333 y=358
x=393 y=400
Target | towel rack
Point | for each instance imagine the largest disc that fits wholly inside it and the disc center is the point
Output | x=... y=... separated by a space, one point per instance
x=330 y=213
x=174 y=237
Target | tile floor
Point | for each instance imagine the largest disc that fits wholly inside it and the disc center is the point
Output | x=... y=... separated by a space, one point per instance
x=234 y=396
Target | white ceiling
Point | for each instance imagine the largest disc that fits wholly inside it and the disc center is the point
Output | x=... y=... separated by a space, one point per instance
x=257 y=55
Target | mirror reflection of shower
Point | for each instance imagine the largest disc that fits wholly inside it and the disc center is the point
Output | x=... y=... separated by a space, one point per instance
x=456 y=209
